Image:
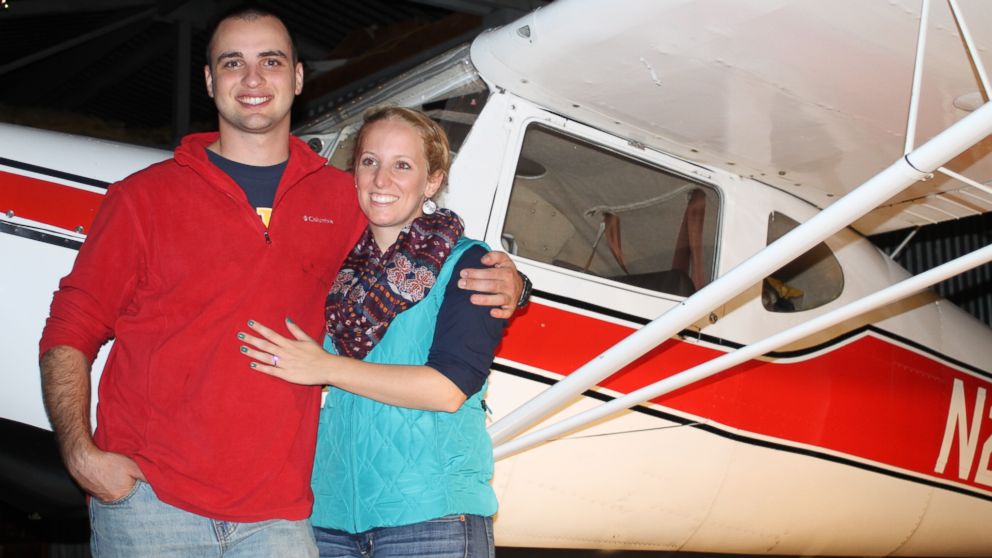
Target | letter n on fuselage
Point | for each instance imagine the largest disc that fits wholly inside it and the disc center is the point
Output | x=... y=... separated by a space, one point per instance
x=957 y=420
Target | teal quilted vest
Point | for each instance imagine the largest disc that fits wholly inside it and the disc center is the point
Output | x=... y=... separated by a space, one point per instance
x=378 y=465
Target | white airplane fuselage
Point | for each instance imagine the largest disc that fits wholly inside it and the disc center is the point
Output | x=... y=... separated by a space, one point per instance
x=870 y=437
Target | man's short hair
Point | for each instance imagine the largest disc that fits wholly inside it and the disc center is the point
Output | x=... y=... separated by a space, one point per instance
x=247 y=12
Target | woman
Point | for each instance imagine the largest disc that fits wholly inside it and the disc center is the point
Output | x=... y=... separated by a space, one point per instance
x=403 y=459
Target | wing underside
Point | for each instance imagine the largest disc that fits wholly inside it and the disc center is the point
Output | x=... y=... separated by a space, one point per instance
x=810 y=97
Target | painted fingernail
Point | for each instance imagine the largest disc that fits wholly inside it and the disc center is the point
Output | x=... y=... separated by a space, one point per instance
x=251 y=323
x=253 y=365
x=290 y=320
x=241 y=335
x=244 y=349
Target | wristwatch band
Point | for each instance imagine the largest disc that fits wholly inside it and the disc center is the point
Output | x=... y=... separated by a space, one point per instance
x=525 y=293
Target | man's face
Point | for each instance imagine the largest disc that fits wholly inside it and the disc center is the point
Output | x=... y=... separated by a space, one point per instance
x=251 y=76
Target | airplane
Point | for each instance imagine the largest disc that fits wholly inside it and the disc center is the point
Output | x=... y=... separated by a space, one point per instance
x=715 y=358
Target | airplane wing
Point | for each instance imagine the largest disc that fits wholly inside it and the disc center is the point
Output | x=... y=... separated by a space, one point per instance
x=809 y=97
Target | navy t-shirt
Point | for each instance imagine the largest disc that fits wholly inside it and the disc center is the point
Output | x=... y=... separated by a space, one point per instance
x=259 y=183
x=466 y=336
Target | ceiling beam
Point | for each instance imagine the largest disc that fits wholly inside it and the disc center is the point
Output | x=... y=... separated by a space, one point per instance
x=182 y=82
x=44 y=82
x=37 y=8
x=145 y=15
x=81 y=95
x=485 y=7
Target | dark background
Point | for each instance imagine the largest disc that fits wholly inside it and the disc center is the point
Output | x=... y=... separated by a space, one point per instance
x=132 y=70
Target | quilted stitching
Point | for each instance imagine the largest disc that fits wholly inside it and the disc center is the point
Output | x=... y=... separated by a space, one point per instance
x=380 y=465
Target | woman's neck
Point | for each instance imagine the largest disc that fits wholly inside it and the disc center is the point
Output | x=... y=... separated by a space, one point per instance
x=385 y=237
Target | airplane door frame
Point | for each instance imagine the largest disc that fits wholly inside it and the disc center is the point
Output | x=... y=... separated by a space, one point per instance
x=626 y=299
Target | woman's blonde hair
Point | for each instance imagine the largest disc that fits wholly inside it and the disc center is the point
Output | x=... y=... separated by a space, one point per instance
x=435 y=141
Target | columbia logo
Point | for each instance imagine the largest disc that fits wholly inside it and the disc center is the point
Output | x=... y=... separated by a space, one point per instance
x=323 y=220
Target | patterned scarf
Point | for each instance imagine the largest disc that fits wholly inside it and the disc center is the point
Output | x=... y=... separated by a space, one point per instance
x=373 y=287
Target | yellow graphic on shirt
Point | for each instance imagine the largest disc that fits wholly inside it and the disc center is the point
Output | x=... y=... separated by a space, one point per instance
x=265 y=213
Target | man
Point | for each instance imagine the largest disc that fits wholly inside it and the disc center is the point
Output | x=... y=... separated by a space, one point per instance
x=195 y=454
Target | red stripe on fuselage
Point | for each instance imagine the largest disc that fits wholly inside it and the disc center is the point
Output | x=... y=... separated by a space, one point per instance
x=47 y=202
x=869 y=398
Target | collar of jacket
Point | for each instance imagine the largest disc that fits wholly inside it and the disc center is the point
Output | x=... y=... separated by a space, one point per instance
x=192 y=153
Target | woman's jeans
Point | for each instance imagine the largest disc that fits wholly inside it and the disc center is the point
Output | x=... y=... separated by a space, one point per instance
x=453 y=536
x=140 y=525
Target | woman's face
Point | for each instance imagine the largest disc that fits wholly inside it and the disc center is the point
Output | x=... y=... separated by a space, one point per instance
x=391 y=177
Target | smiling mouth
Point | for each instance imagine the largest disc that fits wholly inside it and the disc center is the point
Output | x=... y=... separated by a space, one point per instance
x=383 y=198
x=253 y=101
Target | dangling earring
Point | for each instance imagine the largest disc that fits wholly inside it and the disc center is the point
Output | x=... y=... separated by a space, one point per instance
x=429 y=207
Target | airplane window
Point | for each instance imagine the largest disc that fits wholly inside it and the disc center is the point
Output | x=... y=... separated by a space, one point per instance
x=455 y=115
x=811 y=280
x=448 y=88
x=588 y=209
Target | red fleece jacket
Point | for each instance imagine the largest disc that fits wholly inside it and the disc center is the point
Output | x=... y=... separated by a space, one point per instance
x=177 y=261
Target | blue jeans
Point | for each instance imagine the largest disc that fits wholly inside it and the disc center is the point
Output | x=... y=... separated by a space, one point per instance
x=453 y=536
x=140 y=525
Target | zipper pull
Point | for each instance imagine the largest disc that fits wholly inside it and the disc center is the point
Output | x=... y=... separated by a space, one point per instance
x=486 y=408
x=267 y=239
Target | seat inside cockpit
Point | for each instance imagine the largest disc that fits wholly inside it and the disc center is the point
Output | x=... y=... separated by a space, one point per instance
x=586 y=208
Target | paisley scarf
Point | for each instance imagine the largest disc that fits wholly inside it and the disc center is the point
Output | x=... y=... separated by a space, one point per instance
x=373 y=287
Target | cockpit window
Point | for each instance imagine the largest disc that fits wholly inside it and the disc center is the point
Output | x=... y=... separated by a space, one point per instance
x=588 y=209
x=455 y=115
x=810 y=281
x=448 y=89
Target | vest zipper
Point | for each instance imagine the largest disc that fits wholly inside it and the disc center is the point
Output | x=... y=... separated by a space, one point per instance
x=267 y=239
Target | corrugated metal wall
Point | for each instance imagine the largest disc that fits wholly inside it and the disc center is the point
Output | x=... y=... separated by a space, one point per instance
x=936 y=244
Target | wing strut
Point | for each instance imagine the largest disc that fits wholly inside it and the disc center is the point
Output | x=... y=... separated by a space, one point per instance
x=917 y=165
x=976 y=64
x=976 y=61
x=754 y=350
x=914 y=98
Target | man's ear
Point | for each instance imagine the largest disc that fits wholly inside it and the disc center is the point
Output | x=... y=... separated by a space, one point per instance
x=208 y=77
x=299 y=77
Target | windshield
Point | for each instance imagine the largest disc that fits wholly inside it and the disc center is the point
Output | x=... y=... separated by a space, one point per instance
x=447 y=88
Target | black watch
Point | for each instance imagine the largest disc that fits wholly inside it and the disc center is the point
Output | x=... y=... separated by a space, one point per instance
x=525 y=294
